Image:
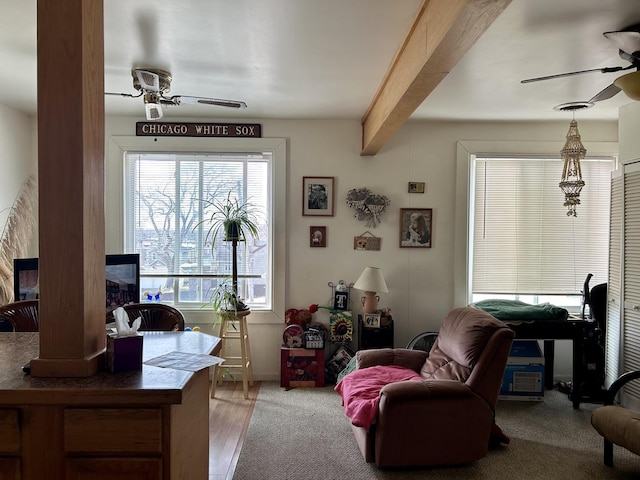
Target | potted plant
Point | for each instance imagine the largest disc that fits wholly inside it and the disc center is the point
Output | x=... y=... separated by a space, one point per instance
x=224 y=299
x=237 y=221
x=234 y=218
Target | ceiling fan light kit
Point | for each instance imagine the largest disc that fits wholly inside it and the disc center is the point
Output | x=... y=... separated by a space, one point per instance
x=153 y=111
x=630 y=85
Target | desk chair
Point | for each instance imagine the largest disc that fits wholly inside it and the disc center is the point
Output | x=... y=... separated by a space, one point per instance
x=155 y=316
x=22 y=315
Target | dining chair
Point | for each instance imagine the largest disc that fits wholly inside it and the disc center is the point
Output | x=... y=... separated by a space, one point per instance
x=21 y=315
x=155 y=316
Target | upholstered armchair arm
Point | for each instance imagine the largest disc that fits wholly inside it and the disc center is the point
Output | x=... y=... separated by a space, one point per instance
x=618 y=384
x=413 y=359
x=444 y=419
x=429 y=389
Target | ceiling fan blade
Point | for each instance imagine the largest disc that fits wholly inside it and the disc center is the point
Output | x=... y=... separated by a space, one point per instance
x=149 y=81
x=579 y=72
x=605 y=94
x=185 y=99
x=124 y=94
x=626 y=40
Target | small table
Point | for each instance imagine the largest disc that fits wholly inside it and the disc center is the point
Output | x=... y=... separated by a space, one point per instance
x=381 y=337
x=549 y=331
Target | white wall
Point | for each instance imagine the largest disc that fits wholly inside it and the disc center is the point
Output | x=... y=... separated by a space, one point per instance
x=17 y=157
x=421 y=281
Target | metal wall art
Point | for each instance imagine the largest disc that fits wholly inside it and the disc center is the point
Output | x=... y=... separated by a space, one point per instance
x=368 y=205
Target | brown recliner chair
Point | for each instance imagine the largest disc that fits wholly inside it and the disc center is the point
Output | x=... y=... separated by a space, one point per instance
x=445 y=418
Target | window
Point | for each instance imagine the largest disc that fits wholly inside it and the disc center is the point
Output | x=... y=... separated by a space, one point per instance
x=523 y=244
x=554 y=224
x=166 y=198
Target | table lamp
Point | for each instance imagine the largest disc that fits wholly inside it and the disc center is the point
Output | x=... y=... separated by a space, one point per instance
x=371 y=281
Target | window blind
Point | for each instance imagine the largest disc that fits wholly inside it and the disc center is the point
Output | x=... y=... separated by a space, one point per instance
x=523 y=242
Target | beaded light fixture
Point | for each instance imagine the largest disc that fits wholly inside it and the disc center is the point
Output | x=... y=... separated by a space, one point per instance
x=573 y=151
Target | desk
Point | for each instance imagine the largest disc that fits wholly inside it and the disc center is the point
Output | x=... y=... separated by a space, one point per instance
x=549 y=331
x=152 y=424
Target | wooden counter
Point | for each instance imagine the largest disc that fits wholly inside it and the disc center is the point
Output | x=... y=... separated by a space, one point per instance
x=149 y=424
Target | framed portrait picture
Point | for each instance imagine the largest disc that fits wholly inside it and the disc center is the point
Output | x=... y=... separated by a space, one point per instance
x=371 y=320
x=416 y=227
x=317 y=196
x=317 y=236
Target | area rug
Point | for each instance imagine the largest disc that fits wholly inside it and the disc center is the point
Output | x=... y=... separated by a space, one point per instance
x=303 y=434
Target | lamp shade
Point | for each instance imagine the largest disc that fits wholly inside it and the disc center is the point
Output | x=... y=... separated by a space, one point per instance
x=371 y=280
x=629 y=84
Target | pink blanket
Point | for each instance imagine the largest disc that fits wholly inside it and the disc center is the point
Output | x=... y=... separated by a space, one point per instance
x=360 y=390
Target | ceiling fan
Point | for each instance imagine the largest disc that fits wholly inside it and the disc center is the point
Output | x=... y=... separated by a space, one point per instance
x=153 y=84
x=628 y=43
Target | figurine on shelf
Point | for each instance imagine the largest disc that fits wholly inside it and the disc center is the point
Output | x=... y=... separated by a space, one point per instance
x=150 y=297
x=341 y=296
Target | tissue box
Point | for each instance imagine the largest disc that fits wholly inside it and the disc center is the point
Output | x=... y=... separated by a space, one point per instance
x=124 y=353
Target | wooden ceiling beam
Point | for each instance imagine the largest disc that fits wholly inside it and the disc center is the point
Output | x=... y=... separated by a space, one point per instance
x=442 y=32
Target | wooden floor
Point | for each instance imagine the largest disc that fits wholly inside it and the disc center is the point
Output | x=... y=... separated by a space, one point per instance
x=229 y=416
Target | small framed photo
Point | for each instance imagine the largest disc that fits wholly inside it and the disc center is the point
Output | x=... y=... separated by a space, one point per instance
x=416 y=227
x=317 y=236
x=371 y=320
x=317 y=196
x=416 y=187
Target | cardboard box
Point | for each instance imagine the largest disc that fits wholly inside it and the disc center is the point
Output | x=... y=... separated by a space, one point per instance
x=301 y=367
x=524 y=376
x=124 y=354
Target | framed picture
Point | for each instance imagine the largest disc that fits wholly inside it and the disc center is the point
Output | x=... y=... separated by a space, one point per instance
x=371 y=320
x=317 y=236
x=416 y=187
x=416 y=227
x=317 y=196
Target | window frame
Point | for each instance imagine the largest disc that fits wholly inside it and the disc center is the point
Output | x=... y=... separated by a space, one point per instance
x=466 y=152
x=116 y=215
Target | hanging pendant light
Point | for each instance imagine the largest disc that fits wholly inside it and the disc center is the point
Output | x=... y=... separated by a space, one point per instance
x=571 y=182
x=573 y=151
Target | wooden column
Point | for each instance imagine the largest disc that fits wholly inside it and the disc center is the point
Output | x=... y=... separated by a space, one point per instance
x=71 y=187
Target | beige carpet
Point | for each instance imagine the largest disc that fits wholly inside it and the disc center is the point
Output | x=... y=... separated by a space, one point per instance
x=302 y=434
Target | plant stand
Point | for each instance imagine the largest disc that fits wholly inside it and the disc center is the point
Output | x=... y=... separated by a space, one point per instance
x=233 y=326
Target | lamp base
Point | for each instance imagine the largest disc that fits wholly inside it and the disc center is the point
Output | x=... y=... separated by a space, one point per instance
x=370 y=302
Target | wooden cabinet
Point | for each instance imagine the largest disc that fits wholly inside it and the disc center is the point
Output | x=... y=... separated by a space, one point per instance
x=375 y=337
x=147 y=425
x=10 y=468
x=113 y=431
x=113 y=468
x=9 y=444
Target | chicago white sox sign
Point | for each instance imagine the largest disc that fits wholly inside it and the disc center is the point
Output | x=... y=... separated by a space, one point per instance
x=178 y=129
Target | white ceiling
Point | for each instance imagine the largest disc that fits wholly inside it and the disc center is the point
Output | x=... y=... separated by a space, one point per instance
x=326 y=59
